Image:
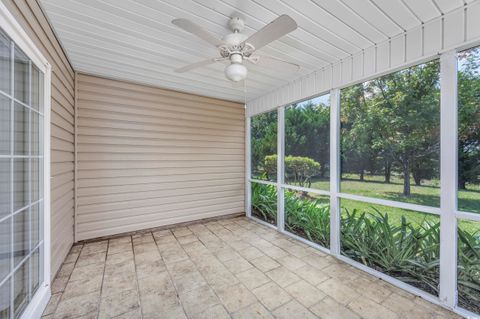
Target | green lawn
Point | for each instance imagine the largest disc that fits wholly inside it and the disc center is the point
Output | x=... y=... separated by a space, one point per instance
x=427 y=195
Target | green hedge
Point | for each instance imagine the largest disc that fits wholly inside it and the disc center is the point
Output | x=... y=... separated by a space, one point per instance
x=405 y=250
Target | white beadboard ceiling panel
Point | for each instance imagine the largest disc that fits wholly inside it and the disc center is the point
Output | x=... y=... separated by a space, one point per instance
x=458 y=29
x=134 y=40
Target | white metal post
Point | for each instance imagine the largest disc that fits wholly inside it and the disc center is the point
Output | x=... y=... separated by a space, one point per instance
x=448 y=178
x=280 y=168
x=334 y=172
x=248 y=168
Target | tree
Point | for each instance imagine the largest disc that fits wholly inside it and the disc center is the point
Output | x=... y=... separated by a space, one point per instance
x=298 y=170
x=469 y=118
x=263 y=140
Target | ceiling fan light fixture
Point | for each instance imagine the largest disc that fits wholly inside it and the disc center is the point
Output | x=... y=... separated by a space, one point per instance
x=236 y=72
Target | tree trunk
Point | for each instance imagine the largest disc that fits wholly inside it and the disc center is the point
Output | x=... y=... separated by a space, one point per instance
x=406 y=177
x=462 y=183
x=388 y=171
x=362 y=175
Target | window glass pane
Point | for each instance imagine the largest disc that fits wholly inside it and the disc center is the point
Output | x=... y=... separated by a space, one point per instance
x=20 y=236
x=264 y=202
x=35 y=264
x=35 y=235
x=469 y=130
x=5 y=64
x=21 y=76
x=469 y=265
x=307 y=143
x=5 y=177
x=308 y=215
x=20 y=288
x=400 y=243
x=35 y=134
x=390 y=144
x=5 y=300
x=21 y=130
x=4 y=125
x=37 y=89
x=264 y=146
x=20 y=183
x=35 y=179
x=5 y=249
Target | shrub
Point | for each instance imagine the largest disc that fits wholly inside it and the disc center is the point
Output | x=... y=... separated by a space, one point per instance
x=264 y=202
x=469 y=270
x=298 y=170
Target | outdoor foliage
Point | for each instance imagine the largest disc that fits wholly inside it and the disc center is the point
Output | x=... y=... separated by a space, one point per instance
x=298 y=170
x=406 y=250
x=391 y=125
x=263 y=142
x=264 y=202
x=308 y=217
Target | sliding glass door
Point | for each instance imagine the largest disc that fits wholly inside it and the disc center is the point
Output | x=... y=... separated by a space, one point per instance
x=21 y=179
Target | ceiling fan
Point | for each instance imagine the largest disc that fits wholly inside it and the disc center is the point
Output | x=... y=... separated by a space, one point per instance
x=237 y=47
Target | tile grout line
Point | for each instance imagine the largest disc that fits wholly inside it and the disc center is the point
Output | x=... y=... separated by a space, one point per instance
x=103 y=279
x=136 y=277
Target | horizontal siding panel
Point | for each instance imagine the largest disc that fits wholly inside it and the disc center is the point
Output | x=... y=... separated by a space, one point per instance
x=149 y=157
x=30 y=16
x=147 y=187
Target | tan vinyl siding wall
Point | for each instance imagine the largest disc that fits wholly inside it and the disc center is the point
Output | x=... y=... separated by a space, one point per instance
x=149 y=157
x=34 y=22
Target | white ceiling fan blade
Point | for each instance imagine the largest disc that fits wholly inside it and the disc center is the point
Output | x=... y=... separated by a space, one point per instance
x=197 y=30
x=265 y=60
x=272 y=31
x=198 y=64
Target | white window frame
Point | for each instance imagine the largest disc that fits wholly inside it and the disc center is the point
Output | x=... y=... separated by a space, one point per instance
x=18 y=35
x=448 y=210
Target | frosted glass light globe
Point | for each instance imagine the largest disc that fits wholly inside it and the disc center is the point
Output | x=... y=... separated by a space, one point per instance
x=236 y=72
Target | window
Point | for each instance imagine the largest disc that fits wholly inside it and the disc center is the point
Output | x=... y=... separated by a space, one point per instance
x=21 y=179
x=401 y=243
x=469 y=130
x=307 y=143
x=390 y=136
x=264 y=146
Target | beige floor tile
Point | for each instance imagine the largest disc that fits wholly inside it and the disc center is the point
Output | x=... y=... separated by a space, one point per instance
x=275 y=252
x=215 y=312
x=237 y=265
x=226 y=254
x=115 y=248
x=52 y=304
x=120 y=240
x=77 y=306
x=317 y=261
x=82 y=273
x=183 y=240
x=124 y=267
x=291 y=262
x=93 y=258
x=94 y=247
x=189 y=282
x=271 y=295
x=181 y=231
x=253 y=311
x=118 y=303
x=336 y=289
x=134 y=314
x=181 y=268
x=311 y=274
x=251 y=253
x=150 y=268
x=59 y=284
x=83 y=287
x=161 y=307
x=235 y=297
x=119 y=257
x=406 y=306
x=160 y=285
x=328 y=308
x=369 y=309
x=252 y=278
x=305 y=293
x=282 y=276
x=161 y=233
x=264 y=263
x=198 y=300
x=375 y=290
x=293 y=309
x=118 y=282
x=66 y=270
x=71 y=257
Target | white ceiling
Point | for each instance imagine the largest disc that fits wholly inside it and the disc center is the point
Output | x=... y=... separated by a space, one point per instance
x=134 y=40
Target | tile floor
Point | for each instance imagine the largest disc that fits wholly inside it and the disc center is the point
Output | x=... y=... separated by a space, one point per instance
x=231 y=268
